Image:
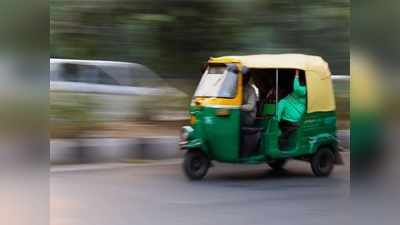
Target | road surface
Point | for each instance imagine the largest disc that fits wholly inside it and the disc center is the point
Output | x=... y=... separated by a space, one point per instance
x=121 y=194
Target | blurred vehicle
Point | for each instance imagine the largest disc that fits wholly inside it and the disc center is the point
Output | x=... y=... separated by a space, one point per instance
x=84 y=92
x=218 y=132
x=103 y=77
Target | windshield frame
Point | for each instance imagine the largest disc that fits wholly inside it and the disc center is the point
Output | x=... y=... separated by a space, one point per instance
x=229 y=73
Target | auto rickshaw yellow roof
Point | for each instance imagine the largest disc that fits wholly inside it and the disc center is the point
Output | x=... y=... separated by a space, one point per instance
x=283 y=61
x=320 y=96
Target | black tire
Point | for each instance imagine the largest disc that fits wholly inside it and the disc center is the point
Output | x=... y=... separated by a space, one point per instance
x=195 y=165
x=323 y=162
x=277 y=164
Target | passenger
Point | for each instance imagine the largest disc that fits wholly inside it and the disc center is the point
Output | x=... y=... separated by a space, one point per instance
x=290 y=111
x=248 y=108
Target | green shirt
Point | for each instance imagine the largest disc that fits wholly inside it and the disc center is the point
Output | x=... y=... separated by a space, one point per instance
x=293 y=106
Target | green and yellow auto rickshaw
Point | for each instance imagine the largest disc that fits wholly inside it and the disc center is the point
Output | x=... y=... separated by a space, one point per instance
x=219 y=130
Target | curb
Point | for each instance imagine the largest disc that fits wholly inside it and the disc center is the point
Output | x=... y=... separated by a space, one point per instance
x=95 y=150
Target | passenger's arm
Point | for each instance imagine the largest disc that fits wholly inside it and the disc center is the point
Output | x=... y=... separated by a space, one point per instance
x=297 y=88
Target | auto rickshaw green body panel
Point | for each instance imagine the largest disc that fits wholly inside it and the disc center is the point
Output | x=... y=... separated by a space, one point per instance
x=219 y=136
x=215 y=133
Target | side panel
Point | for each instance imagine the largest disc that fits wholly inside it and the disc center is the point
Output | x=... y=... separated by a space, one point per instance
x=317 y=129
x=218 y=125
x=221 y=133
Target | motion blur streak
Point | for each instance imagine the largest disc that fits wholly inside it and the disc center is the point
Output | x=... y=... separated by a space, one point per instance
x=374 y=112
x=173 y=39
x=23 y=113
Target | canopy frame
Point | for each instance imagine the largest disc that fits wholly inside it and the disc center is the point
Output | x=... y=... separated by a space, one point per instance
x=320 y=94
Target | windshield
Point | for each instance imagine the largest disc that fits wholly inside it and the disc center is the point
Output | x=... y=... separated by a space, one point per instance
x=217 y=81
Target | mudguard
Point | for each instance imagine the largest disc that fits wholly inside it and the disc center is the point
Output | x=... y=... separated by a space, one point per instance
x=329 y=140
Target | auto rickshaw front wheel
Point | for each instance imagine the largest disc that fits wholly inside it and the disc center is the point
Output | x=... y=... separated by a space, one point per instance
x=322 y=162
x=195 y=165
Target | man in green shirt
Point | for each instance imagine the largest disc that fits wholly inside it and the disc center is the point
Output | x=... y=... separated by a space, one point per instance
x=290 y=111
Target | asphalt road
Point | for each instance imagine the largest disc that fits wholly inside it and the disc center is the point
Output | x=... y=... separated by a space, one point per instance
x=121 y=194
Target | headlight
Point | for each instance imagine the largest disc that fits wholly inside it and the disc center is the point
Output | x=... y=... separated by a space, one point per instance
x=185 y=133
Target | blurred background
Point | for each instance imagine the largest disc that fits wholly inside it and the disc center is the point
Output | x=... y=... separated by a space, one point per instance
x=138 y=64
x=166 y=43
x=375 y=124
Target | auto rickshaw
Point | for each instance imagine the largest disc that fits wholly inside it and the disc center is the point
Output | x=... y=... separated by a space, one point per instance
x=216 y=132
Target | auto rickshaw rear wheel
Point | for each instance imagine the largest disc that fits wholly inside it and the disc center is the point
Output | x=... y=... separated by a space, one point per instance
x=195 y=165
x=277 y=164
x=322 y=162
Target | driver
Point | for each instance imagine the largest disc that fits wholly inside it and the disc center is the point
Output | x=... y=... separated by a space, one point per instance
x=248 y=108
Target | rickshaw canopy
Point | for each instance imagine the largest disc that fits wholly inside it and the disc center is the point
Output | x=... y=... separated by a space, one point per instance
x=320 y=94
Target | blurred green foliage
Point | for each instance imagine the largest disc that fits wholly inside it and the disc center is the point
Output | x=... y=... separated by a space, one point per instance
x=174 y=37
x=71 y=114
